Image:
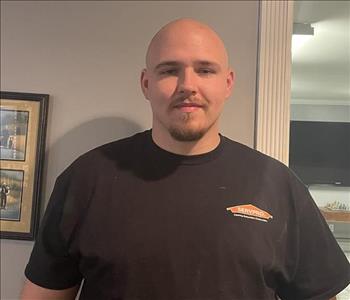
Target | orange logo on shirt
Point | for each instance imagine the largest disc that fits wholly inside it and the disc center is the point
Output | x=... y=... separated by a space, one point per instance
x=250 y=211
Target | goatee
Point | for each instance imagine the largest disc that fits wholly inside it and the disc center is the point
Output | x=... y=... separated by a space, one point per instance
x=186 y=135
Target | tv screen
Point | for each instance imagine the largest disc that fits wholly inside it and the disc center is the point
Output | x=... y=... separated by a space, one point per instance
x=320 y=152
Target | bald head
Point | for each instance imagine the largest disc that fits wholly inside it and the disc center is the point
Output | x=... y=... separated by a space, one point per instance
x=187 y=80
x=184 y=34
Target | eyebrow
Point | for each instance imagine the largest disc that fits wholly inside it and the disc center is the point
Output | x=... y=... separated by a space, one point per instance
x=166 y=64
x=171 y=63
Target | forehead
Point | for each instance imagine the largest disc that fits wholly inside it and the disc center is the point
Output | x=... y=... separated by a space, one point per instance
x=186 y=45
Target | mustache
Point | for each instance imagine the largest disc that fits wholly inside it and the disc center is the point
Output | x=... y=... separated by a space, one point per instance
x=188 y=99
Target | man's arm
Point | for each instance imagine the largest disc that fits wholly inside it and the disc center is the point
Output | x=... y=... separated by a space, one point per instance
x=32 y=291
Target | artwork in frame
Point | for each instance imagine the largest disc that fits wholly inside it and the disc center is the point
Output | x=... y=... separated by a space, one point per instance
x=11 y=194
x=22 y=148
x=13 y=138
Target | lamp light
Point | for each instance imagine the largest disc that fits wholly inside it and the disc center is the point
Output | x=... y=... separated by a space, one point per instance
x=302 y=32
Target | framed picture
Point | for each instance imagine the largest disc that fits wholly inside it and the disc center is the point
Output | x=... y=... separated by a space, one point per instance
x=23 y=118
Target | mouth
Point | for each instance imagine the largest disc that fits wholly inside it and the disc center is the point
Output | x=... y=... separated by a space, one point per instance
x=187 y=107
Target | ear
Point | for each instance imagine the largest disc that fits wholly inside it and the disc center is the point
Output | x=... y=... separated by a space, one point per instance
x=230 y=81
x=144 y=83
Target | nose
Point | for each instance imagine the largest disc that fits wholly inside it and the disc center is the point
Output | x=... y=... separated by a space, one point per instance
x=187 y=82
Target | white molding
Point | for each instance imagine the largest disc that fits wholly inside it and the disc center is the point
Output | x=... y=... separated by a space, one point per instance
x=336 y=102
x=274 y=79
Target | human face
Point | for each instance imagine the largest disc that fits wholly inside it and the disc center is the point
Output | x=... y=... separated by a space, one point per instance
x=187 y=81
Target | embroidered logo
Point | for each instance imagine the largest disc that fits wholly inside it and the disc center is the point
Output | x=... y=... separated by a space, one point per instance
x=251 y=212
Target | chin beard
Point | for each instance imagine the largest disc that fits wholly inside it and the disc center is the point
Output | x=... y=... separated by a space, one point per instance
x=186 y=135
x=184 y=132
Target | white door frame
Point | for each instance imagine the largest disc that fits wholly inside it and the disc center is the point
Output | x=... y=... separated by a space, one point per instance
x=272 y=116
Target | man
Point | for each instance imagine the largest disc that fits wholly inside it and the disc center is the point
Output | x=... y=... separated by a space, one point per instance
x=180 y=211
x=4 y=191
x=5 y=136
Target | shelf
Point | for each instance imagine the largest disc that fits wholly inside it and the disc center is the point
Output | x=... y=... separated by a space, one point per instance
x=335 y=215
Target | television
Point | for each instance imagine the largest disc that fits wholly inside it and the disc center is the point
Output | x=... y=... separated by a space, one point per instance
x=319 y=152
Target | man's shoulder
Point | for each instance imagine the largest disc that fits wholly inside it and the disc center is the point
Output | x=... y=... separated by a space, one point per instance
x=250 y=155
x=124 y=146
x=115 y=152
x=253 y=161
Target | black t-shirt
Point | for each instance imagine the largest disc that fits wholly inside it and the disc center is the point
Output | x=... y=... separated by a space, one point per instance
x=137 y=222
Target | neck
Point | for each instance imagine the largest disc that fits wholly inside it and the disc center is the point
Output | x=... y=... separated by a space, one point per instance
x=204 y=145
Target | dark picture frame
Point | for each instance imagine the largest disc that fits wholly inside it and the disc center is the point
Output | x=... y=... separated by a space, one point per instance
x=23 y=118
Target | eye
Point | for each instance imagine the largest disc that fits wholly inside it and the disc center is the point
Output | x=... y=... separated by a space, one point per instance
x=206 y=71
x=168 y=72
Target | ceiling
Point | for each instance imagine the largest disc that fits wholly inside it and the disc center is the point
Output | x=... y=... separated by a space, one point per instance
x=321 y=67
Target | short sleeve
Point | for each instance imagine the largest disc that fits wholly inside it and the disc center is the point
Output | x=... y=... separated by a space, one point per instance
x=321 y=270
x=51 y=264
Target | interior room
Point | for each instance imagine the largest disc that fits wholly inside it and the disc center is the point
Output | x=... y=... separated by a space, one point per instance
x=88 y=57
x=320 y=111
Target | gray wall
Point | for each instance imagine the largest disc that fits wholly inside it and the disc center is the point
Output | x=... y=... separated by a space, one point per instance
x=318 y=112
x=88 y=57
